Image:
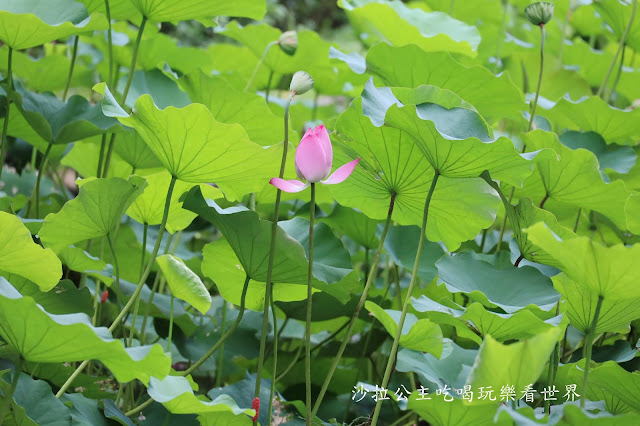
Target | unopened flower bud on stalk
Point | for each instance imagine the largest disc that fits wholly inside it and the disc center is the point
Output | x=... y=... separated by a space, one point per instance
x=301 y=83
x=288 y=42
x=539 y=13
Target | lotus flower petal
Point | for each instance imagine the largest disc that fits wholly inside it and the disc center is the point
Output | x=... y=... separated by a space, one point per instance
x=288 y=185
x=342 y=173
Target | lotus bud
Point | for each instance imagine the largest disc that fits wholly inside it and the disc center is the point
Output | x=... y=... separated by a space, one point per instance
x=288 y=42
x=301 y=83
x=539 y=13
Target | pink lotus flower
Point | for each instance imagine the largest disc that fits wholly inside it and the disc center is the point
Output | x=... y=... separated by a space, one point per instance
x=314 y=158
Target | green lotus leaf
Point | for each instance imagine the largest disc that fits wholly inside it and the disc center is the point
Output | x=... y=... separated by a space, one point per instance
x=512 y=289
x=617 y=15
x=392 y=164
x=33 y=402
x=632 y=207
x=518 y=364
x=610 y=272
x=439 y=412
x=21 y=256
x=615 y=316
x=184 y=284
x=619 y=159
x=67 y=338
x=78 y=260
x=400 y=25
x=522 y=324
x=148 y=207
x=184 y=10
x=56 y=68
x=96 y=212
x=455 y=142
x=64 y=298
x=229 y=105
x=417 y=334
x=575 y=181
x=354 y=225
x=120 y=9
x=196 y=148
x=30 y=23
x=592 y=114
x=402 y=245
x=62 y=122
x=250 y=238
x=84 y=157
x=176 y=394
x=409 y=66
x=615 y=380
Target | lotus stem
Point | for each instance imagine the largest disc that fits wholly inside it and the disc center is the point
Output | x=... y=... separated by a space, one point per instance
x=405 y=306
x=307 y=334
x=259 y=64
x=272 y=250
x=623 y=40
x=74 y=55
x=370 y=279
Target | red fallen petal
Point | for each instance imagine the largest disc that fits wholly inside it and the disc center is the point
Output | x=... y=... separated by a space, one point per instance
x=256 y=406
x=103 y=297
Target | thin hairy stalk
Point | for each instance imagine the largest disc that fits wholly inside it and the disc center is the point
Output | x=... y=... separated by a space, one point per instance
x=623 y=40
x=405 y=306
x=5 y=126
x=5 y=408
x=109 y=42
x=291 y=364
x=307 y=334
x=575 y=226
x=267 y=89
x=259 y=64
x=138 y=289
x=272 y=251
x=154 y=288
x=588 y=345
x=226 y=335
x=553 y=367
x=74 y=56
x=370 y=279
x=618 y=75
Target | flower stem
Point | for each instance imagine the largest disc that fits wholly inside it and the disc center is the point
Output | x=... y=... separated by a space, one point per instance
x=259 y=64
x=142 y=263
x=535 y=100
x=272 y=250
x=7 y=400
x=275 y=357
x=370 y=279
x=588 y=344
x=623 y=40
x=170 y=324
x=226 y=335
x=114 y=259
x=307 y=334
x=405 y=306
x=5 y=126
x=74 y=55
x=138 y=289
x=618 y=75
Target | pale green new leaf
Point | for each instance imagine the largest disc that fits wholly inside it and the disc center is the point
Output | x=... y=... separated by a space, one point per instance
x=184 y=284
x=194 y=147
x=176 y=394
x=518 y=364
x=409 y=66
x=611 y=272
x=42 y=337
x=94 y=213
x=184 y=10
x=20 y=255
x=575 y=180
x=395 y=22
x=392 y=164
x=417 y=334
